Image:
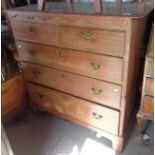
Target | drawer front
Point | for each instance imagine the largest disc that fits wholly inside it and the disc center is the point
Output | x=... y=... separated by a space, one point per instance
x=149 y=88
x=75 y=108
x=148 y=105
x=97 y=66
x=87 y=88
x=93 y=40
x=35 y=32
x=150 y=67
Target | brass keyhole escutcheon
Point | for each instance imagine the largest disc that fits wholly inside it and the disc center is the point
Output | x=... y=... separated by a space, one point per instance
x=63 y=76
x=32 y=29
x=97 y=91
x=60 y=53
x=66 y=98
x=33 y=52
x=96 y=66
x=88 y=36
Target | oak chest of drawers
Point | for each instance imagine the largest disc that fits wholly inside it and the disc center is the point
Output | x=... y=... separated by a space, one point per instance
x=81 y=67
x=146 y=111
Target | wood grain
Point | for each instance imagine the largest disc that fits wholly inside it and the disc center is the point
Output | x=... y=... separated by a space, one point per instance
x=100 y=42
x=148 y=105
x=149 y=88
x=13 y=97
x=131 y=69
x=75 y=108
x=96 y=66
x=116 y=39
x=90 y=89
x=102 y=22
x=37 y=33
x=147 y=102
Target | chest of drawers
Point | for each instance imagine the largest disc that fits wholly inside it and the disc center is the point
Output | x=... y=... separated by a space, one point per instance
x=146 y=111
x=82 y=67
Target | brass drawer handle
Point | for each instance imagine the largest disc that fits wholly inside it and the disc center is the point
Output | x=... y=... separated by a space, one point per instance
x=32 y=29
x=96 y=66
x=88 y=36
x=32 y=52
x=41 y=96
x=64 y=76
x=36 y=74
x=97 y=116
x=60 y=53
x=97 y=91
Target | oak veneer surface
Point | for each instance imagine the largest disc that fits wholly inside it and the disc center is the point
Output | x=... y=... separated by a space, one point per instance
x=149 y=88
x=147 y=99
x=91 y=57
x=97 y=66
x=90 y=89
x=13 y=97
x=75 y=108
x=148 y=105
x=100 y=42
x=33 y=32
x=146 y=110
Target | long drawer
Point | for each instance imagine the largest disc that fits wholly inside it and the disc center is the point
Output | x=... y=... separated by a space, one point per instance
x=149 y=88
x=87 y=88
x=35 y=32
x=75 y=108
x=148 y=105
x=93 y=40
x=93 y=65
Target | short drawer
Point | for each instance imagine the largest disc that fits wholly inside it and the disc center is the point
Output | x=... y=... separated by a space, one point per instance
x=87 y=88
x=148 y=104
x=35 y=32
x=93 y=65
x=93 y=40
x=149 y=87
x=75 y=108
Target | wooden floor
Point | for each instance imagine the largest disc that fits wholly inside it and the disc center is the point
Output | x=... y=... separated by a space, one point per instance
x=46 y=134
